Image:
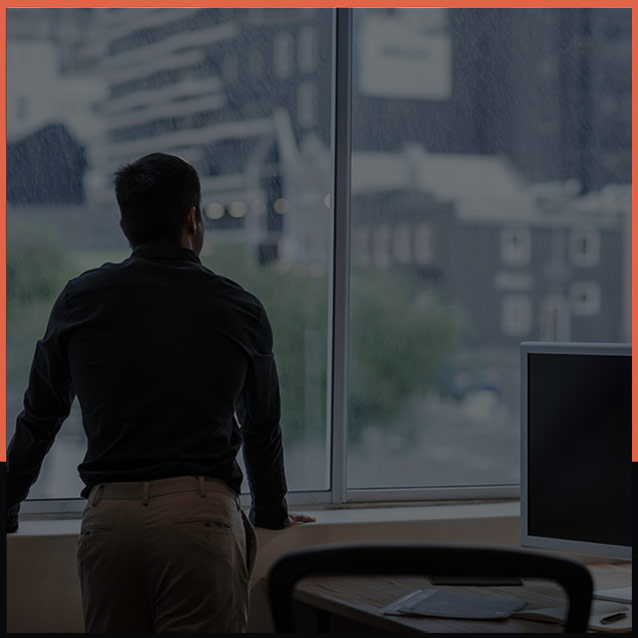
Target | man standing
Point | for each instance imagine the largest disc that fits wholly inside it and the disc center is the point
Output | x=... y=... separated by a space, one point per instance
x=174 y=371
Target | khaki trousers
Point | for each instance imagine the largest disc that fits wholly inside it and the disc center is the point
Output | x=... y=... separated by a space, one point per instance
x=165 y=556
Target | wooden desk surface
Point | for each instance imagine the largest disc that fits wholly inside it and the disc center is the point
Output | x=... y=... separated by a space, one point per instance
x=360 y=598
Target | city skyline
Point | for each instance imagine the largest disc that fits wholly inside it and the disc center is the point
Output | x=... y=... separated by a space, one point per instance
x=461 y=190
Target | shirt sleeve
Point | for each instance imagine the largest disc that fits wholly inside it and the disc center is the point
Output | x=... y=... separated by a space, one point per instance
x=259 y=412
x=47 y=403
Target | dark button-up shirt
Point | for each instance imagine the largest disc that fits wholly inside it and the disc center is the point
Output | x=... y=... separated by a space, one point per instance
x=173 y=368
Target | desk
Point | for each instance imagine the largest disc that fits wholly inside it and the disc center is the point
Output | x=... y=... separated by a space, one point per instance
x=348 y=604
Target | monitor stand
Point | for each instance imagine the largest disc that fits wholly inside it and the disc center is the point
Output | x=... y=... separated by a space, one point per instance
x=619 y=595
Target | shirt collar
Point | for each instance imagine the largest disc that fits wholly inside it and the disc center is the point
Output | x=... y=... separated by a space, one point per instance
x=164 y=251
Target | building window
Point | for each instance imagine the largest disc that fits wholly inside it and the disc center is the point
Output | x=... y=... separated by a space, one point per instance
x=308 y=52
x=584 y=247
x=516 y=315
x=283 y=55
x=423 y=244
x=516 y=246
x=585 y=298
x=401 y=241
x=307 y=104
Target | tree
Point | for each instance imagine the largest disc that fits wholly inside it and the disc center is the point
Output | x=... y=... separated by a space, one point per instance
x=399 y=336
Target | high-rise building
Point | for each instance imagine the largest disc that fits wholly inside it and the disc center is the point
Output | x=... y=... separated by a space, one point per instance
x=237 y=92
x=548 y=88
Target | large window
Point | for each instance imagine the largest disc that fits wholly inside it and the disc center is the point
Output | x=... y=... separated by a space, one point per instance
x=487 y=202
x=92 y=89
x=490 y=195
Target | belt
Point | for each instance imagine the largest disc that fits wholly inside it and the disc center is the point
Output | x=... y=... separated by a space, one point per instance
x=146 y=490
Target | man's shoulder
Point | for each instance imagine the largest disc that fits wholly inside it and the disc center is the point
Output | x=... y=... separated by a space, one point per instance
x=197 y=278
x=95 y=276
x=235 y=289
x=241 y=298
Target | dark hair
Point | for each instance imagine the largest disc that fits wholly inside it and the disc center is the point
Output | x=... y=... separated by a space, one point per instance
x=155 y=194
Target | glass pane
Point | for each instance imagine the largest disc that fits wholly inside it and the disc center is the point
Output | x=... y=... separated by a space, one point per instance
x=491 y=196
x=244 y=95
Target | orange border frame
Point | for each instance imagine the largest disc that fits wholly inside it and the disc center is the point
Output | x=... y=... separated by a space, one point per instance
x=287 y=3
x=338 y=3
x=634 y=258
x=3 y=243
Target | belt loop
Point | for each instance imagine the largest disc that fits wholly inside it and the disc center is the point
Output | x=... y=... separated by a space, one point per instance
x=202 y=486
x=146 y=495
x=96 y=494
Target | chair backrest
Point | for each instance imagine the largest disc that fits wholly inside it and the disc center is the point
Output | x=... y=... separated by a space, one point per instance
x=423 y=560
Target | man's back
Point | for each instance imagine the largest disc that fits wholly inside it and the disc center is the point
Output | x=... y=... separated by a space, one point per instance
x=159 y=349
x=161 y=353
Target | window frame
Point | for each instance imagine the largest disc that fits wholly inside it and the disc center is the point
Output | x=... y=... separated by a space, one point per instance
x=590 y=257
x=338 y=494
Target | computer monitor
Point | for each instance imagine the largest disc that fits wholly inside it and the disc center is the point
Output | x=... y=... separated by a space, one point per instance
x=576 y=448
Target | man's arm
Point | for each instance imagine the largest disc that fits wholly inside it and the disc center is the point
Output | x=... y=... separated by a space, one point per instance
x=259 y=412
x=47 y=402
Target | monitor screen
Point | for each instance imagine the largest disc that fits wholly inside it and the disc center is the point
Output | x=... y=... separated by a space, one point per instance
x=576 y=448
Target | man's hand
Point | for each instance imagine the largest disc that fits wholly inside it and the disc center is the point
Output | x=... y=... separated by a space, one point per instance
x=294 y=519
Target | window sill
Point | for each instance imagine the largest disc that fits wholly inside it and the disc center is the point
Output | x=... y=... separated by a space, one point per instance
x=47 y=527
x=412 y=513
x=329 y=517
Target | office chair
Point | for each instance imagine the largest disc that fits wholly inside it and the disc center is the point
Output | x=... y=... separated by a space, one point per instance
x=424 y=559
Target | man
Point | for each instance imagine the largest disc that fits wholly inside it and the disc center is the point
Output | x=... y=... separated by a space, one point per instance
x=168 y=360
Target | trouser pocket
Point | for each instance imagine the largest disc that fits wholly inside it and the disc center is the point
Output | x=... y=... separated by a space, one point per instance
x=251 y=542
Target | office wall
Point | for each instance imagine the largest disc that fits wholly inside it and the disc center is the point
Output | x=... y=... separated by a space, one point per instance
x=43 y=594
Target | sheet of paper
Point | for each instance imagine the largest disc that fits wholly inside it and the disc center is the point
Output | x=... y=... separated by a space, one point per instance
x=443 y=604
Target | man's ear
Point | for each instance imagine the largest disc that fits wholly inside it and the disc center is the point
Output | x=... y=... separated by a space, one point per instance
x=193 y=219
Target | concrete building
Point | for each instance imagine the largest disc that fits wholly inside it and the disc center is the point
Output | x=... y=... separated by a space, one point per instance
x=522 y=262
